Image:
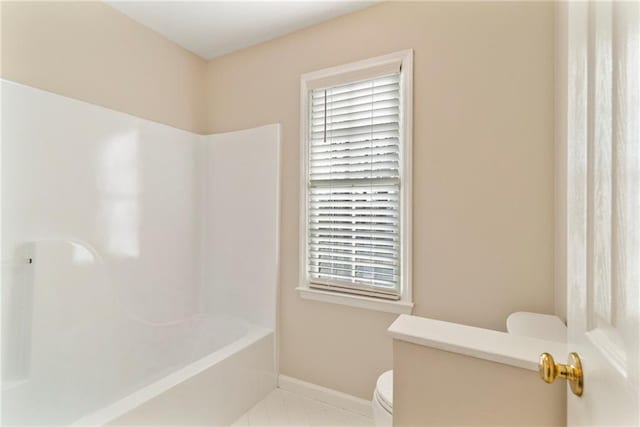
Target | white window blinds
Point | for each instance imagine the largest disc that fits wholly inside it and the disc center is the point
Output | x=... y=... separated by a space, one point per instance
x=354 y=187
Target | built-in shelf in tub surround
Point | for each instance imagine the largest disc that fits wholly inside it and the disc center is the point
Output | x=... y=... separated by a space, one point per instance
x=515 y=350
x=536 y=325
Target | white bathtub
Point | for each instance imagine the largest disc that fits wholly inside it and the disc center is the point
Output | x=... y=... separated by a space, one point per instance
x=213 y=390
x=203 y=371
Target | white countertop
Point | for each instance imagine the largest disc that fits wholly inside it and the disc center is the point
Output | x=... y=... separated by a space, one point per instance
x=501 y=347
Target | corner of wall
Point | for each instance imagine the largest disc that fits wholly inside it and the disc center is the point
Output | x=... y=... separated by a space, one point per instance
x=560 y=168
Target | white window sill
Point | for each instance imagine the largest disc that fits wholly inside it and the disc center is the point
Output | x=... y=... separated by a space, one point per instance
x=398 y=307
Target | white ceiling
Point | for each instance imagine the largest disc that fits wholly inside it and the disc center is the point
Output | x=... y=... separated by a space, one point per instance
x=213 y=28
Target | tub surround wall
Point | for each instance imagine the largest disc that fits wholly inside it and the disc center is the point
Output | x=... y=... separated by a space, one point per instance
x=483 y=168
x=101 y=223
x=239 y=251
x=89 y=51
x=123 y=185
x=104 y=204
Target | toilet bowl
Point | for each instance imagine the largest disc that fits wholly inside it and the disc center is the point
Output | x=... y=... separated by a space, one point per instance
x=382 y=401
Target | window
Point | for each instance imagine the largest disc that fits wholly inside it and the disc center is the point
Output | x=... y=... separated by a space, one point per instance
x=356 y=183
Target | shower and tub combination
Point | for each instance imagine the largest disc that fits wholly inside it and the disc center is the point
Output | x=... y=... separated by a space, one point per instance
x=139 y=267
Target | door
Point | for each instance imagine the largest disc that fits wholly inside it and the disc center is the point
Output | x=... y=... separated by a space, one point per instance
x=599 y=100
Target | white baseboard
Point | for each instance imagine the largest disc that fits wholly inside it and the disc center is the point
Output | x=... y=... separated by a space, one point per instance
x=326 y=395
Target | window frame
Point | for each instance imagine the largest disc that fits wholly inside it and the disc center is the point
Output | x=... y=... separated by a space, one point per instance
x=340 y=75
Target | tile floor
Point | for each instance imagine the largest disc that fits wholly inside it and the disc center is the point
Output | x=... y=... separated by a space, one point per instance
x=285 y=409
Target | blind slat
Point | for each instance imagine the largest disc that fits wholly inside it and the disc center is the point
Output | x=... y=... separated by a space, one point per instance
x=345 y=111
x=354 y=160
x=334 y=119
x=375 y=164
x=331 y=149
x=355 y=198
x=320 y=97
x=338 y=151
x=357 y=101
x=323 y=257
x=343 y=232
x=373 y=228
x=361 y=265
x=355 y=131
x=328 y=248
x=364 y=137
x=380 y=81
x=375 y=282
x=333 y=127
x=376 y=173
x=343 y=204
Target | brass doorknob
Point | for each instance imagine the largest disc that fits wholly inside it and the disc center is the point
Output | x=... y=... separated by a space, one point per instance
x=549 y=370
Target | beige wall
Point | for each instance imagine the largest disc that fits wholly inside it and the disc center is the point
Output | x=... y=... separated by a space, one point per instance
x=91 y=52
x=438 y=388
x=483 y=168
x=560 y=155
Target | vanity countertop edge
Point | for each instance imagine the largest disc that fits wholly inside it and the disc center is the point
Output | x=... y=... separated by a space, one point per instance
x=495 y=346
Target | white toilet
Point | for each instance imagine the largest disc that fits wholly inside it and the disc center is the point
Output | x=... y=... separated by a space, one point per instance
x=383 y=400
